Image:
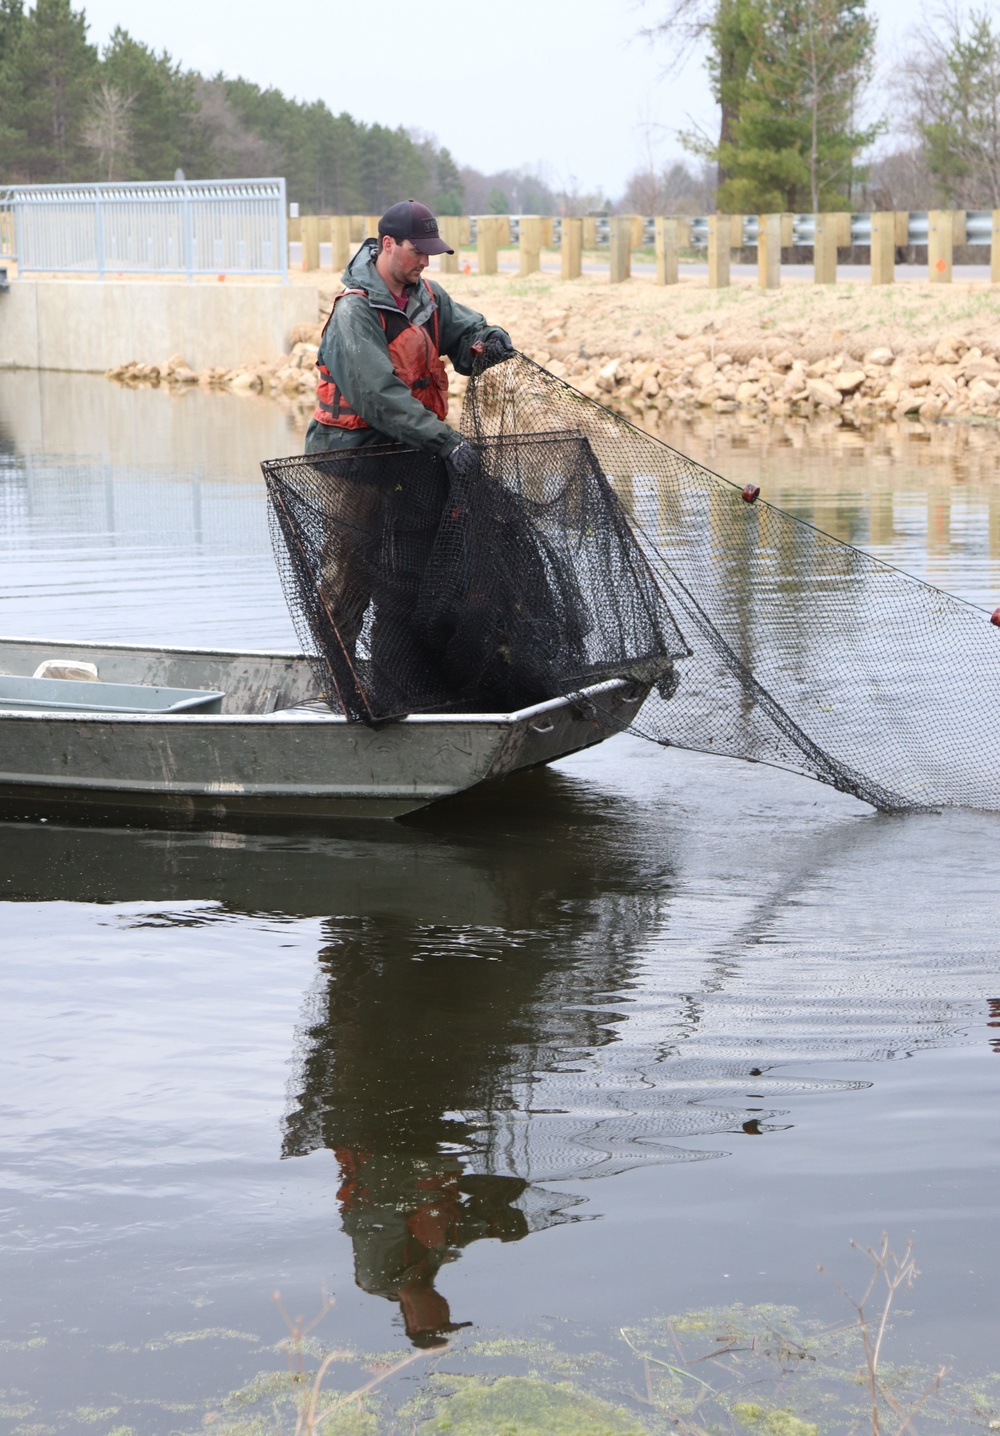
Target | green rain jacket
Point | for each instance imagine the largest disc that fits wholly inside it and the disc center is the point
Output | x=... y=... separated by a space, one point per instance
x=355 y=351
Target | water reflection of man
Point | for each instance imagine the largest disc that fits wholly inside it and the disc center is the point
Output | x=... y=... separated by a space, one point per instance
x=451 y=988
x=387 y=1095
x=407 y=1217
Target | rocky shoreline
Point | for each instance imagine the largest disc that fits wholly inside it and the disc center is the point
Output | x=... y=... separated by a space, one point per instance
x=955 y=378
x=652 y=353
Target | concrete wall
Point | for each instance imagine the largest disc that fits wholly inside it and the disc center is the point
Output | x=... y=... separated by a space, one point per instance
x=90 y=326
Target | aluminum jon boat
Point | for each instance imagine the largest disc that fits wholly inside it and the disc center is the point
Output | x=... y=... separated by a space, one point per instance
x=217 y=735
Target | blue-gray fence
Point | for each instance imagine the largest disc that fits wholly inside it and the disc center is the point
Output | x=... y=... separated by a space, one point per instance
x=188 y=228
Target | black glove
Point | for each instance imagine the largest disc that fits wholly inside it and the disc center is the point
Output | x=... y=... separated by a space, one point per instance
x=494 y=349
x=463 y=460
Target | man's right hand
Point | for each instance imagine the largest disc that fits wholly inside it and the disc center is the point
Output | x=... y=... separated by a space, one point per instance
x=463 y=460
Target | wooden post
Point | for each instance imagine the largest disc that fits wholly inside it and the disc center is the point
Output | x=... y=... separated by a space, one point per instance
x=464 y=229
x=621 y=247
x=666 y=250
x=843 y=228
x=340 y=240
x=638 y=226
x=503 y=229
x=940 y=240
x=571 y=248
x=310 y=241
x=546 y=225
x=683 y=231
x=530 y=243
x=589 y=232
x=294 y=228
x=883 y=247
x=324 y=230
x=995 y=249
x=450 y=229
x=718 y=251
x=959 y=229
x=825 y=249
x=902 y=227
x=769 y=251
x=787 y=229
x=487 y=232
x=357 y=227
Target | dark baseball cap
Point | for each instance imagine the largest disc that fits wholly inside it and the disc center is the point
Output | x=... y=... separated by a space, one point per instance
x=413 y=221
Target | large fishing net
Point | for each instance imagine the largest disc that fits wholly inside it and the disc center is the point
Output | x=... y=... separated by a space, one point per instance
x=584 y=548
x=418 y=589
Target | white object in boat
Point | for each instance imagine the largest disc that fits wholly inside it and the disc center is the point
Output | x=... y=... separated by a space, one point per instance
x=66 y=669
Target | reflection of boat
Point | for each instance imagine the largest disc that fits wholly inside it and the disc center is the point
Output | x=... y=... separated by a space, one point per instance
x=269 y=752
x=457 y=954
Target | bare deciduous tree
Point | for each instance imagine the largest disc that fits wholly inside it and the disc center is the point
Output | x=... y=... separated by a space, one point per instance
x=107 y=130
x=950 y=82
x=671 y=189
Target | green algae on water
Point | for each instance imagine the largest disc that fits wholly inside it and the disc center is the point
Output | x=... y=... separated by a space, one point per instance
x=525 y=1406
x=763 y=1422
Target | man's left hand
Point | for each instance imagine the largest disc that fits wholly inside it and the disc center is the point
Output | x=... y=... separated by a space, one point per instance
x=494 y=349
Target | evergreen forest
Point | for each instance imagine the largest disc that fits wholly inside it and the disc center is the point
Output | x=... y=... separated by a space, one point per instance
x=71 y=112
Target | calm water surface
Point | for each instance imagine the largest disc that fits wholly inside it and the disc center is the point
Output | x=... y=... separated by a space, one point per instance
x=640 y=1033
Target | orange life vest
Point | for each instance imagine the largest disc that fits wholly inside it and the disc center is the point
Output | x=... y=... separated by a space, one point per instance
x=415 y=359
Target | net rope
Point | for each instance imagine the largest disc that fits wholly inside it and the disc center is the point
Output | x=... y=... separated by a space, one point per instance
x=584 y=548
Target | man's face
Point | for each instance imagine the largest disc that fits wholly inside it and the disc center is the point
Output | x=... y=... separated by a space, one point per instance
x=406 y=264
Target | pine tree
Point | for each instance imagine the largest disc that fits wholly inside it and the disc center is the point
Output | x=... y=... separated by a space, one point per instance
x=49 y=75
x=450 y=197
x=11 y=136
x=792 y=140
x=392 y=167
x=11 y=20
x=161 y=110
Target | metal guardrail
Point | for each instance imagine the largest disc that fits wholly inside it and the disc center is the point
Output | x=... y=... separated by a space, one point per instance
x=191 y=228
x=978 y=229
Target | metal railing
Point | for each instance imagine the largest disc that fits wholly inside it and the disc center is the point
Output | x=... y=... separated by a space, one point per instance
x=187 y=228
x=978 y=229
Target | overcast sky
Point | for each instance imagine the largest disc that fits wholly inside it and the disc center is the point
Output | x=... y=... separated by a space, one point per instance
x=565 y=85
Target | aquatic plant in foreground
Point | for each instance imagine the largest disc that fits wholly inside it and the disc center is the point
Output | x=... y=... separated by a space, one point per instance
x=762 y=1370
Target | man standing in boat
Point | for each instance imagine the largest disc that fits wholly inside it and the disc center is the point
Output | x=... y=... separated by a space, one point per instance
x=382 y=382
x=381 y=376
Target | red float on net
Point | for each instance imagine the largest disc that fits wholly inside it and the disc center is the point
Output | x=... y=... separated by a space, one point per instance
x=751 y=493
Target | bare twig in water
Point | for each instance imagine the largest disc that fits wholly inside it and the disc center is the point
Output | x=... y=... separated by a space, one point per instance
x=298 y=1328
x=310 y=1422
x=891 y=1272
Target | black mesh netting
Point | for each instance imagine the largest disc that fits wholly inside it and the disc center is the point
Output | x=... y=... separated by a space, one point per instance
x=583 y=549
x=419 y=589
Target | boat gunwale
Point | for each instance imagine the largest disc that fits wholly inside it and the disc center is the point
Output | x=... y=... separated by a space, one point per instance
x=99 y=644
x=283 y=718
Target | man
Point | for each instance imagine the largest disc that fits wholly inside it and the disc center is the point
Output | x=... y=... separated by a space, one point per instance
x=381 y=376
x=382 y=382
